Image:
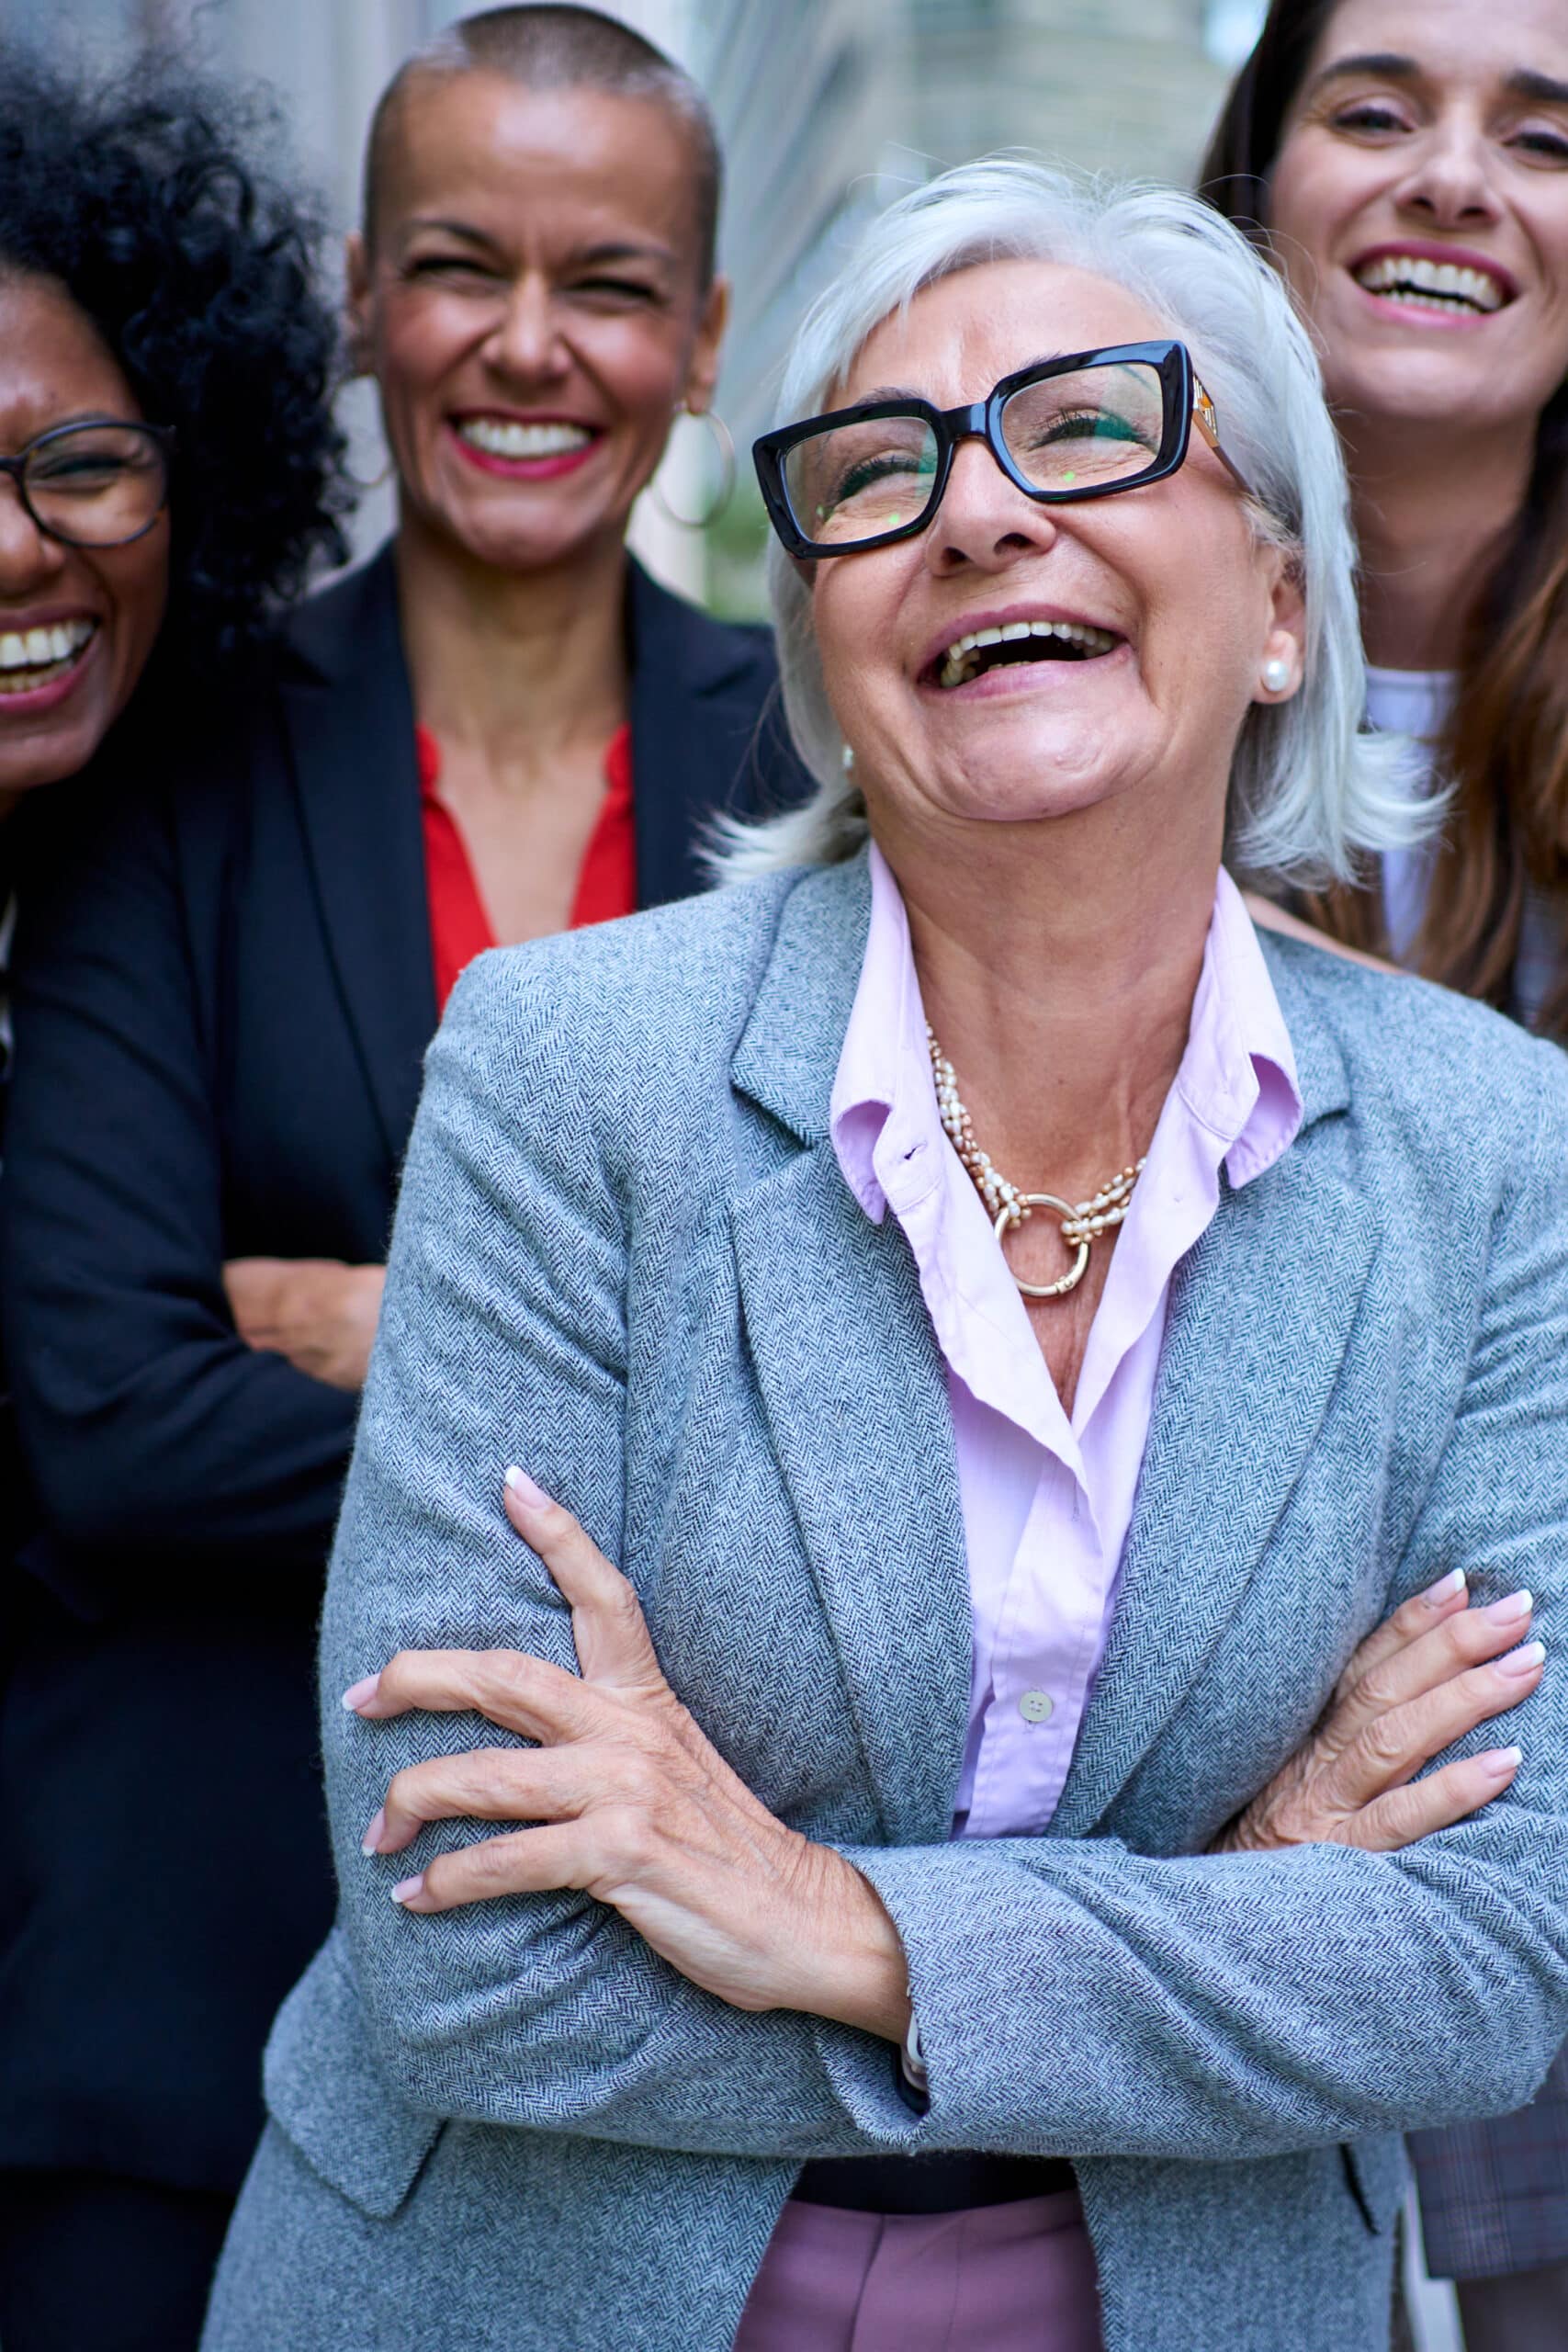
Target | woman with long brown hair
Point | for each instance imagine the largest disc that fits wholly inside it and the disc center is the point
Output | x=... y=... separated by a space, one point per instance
x=1406 y=163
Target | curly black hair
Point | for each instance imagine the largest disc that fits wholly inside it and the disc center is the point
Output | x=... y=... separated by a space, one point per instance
x=145 y=201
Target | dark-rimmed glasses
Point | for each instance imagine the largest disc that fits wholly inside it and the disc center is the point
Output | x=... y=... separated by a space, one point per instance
x=1086 y=427
x=100 y=483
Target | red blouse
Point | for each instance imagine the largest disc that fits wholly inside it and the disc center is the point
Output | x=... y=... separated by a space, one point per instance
x=460 y=926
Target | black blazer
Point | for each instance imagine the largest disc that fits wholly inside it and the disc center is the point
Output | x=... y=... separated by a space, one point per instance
x=223 y=992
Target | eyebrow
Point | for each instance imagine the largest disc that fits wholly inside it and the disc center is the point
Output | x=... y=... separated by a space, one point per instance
x=1523 y=83
x=591 y=255
x=1527 y=83
x=880 y=392
x=1386 y=64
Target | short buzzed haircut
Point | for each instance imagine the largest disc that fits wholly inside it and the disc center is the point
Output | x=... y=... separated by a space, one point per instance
x=554 y=48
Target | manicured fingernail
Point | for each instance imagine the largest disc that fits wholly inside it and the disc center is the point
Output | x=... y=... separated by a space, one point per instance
x=371 y=1841
x=526 y=1490
x=359 y=1694
x=406 y=1887
x=1523 y=1661
x=1502 y=1763
x=1445 y=1587
x=1503 y=1613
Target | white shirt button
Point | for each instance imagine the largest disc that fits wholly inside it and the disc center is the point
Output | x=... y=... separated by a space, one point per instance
x=1035 y=1706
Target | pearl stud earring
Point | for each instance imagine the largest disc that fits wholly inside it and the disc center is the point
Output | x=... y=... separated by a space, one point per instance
x=849 y=758
x=1276 y=674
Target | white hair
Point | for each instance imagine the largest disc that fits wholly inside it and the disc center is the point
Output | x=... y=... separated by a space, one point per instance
x=1311 y=794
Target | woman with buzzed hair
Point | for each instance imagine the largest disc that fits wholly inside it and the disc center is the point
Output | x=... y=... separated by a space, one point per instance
x=501 y=727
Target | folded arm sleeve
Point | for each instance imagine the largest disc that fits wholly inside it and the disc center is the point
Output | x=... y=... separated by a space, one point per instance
x=153 y=1434
x=503 y=1340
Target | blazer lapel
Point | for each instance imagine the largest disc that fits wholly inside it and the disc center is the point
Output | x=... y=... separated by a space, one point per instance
x=694 y=707
x=349 y=719
x=1259 y=1317
x=852 y=1384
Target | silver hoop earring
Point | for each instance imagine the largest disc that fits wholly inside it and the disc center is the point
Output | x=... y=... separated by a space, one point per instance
x=376 y=482
x=1276 y=674
x=726 y=444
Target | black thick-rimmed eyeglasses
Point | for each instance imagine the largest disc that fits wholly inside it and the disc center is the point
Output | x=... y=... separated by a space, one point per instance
x=1085 y=426
x=100 y=483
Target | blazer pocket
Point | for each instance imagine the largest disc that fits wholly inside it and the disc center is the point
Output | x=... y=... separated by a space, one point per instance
x=1375 y=2176
x=325 y=2089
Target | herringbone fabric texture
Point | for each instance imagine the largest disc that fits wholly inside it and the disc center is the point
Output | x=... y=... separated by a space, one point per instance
x=626 y=1257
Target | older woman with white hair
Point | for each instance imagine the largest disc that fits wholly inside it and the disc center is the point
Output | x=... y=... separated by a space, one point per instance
x=1017 y=1333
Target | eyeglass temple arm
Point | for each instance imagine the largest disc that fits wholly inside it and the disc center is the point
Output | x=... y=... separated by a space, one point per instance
x=1207 y=424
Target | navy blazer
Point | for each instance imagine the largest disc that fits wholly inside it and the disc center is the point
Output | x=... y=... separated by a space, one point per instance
x=223 y=995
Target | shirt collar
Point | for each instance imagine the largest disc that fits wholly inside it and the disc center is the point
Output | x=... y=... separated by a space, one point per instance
x=1237 y=1075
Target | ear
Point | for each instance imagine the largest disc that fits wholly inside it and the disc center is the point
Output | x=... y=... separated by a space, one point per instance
x=1284 y=640
x=702 y=372
x=357 y=302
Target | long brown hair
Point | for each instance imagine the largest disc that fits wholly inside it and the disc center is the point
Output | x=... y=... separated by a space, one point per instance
x=1504 y=750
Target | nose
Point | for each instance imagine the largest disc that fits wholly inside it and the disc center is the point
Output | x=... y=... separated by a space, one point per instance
x=30 y=560
x=528 y=344
x=1450 y=180
x=984 y=519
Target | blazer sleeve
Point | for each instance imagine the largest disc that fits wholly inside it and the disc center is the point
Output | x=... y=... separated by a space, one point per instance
x=1083 y=1999
x=503 y=1337
x=153 y=1434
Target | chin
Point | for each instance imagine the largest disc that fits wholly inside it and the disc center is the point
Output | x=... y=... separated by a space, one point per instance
x=31 y=769
x=1452 y=387
x=1037 y=796
x=514 y=544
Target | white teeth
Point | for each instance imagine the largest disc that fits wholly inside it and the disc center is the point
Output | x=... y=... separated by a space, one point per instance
x=958 y=664
x=37 y=650
x=1432 y=285
x=513 y=440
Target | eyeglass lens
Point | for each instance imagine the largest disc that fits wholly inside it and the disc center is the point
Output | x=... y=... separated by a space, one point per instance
x=96 y=485
x=1082 y=431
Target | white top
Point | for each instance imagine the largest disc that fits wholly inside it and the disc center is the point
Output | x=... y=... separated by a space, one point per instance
x=1417 y=703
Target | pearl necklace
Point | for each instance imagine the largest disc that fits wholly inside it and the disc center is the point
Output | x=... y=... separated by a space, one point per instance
x=1007 y=1205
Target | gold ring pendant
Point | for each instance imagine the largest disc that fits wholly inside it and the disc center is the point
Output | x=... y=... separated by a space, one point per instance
x=1072 y=1278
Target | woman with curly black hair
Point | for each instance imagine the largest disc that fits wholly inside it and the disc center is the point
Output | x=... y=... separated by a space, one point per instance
x=169 y=470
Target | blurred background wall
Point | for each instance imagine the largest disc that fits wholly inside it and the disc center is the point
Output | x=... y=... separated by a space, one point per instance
x=828 y=108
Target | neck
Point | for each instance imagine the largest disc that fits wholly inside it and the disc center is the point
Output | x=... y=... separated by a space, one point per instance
x=518 y=668
x=1432 y=515
x=1057 y=963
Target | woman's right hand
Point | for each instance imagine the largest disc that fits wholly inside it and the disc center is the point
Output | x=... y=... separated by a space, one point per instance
x=1433 y=1671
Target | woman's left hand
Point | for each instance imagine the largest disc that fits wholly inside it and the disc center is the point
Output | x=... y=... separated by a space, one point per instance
x=317 y=1312
x=632 y=1804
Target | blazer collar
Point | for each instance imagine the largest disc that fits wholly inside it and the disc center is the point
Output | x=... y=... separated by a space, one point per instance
x=788 y=1052
x=1321 y=1072
x=349 y=720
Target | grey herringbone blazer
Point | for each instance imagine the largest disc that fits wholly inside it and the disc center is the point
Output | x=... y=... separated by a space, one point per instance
x=625 y=1256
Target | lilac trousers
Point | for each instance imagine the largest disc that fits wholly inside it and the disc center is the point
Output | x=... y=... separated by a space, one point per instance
x=1017 y=2278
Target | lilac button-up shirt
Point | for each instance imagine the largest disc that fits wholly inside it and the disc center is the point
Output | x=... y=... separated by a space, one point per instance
x=1047 y=1500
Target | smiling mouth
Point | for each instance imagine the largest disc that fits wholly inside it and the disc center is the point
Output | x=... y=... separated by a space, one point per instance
x=507 y=438
x=1453 y=289
x=36 y=657
x=1017 y=642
